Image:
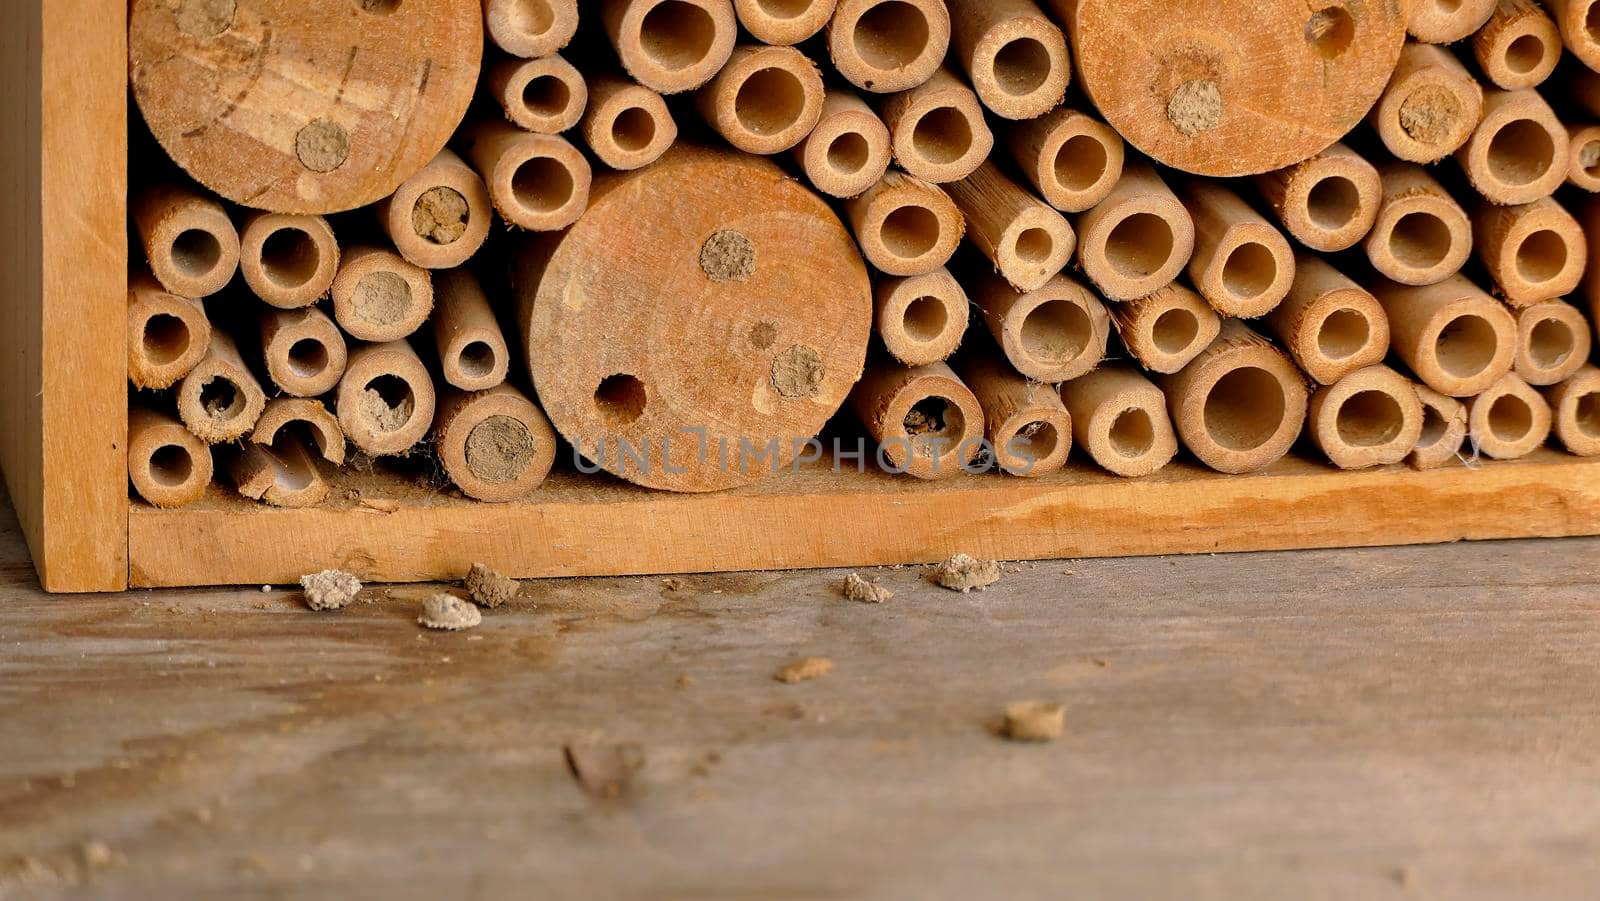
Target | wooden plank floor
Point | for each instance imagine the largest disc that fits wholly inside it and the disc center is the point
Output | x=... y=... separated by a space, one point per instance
x=1417 y=722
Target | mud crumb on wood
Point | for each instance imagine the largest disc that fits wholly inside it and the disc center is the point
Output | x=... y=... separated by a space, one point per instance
x=448 y=613
x=964 y=573
x=488 y=588
x=1429 y=114
x=604 y=771
x=804 y=670
x=1195 y=106
x=857 y=588
x=1034 y=721
x=440 y=215
x=330 y=589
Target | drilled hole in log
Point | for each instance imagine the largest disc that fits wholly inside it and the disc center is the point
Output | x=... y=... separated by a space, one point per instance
x=621 y=399
x=1331 y=31
x=166 y=338
x=1466 y=346
x=1369 y=419
x=891 y=35
x=1244 y=409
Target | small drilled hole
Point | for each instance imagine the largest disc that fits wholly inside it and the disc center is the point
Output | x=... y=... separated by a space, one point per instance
x=290 y=258
x=848 y=153
x=1524 y=54
x=1333 y=202
x=1175 y=331
x=171 y=466
x=1035 y=245
x=542 y=185
x=1132 y=433
x=1331 y=31
x=546 y=95
x=934 y=418
x=1369 y=419
x=166 y=338
x=1521 y=153
x=1420 y=240
x=388 y=403
x=891 y=35
x=196 y=252
x=1343 y=334
x=677 y=35
x=943 y=135
x=1056 y=332
x=770 y=101
x=1244 y=409
x=1466 y=346
x=308 y=358
x=1021 y=67
x=621 y=399
x=1140 y=245
x=1510 y=418
x=926 y=319
x=910 y=231
x=1541 y=256
x=477 y=360
x=1550 y=343
x=1081 y=163
x=1250 y=271
x=633 y=129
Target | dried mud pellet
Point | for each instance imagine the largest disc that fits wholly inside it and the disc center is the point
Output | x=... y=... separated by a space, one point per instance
x=378 y=296
x=1430 y=107
x=439 y=217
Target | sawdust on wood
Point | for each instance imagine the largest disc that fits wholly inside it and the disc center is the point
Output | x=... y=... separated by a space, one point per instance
x=1034 y=721
x=728 y=256
x=804 y=670
x=440 y=215
x=964 y=573
x=499 y=449
x=1430 y=114
x=330 y=589
x=488 y=588
x=1195 y=106
x=857 y=588
x=448 y=613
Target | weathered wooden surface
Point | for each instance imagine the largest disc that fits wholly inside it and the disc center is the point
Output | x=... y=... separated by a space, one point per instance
x=1375 y=724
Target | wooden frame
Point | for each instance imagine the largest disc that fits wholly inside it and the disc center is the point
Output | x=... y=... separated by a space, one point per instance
x=63 y=403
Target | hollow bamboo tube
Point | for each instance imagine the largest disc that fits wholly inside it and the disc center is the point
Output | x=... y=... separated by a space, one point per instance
x=537 y=182
x=1138 y=238
x=783 y=24
x=1509 y=420
x=472 y=350
x=1444 y=429
x=904 y=225
x=627 y=125
x=288 y=260
x=671 y=45
x=378 y=296
x=1575 y=411
x=439 y=217
x=309 y=417
x=1370 y=417
x=304 y=351
x=1534 y=251
x=1590 y=288
x=886 y=46
x=1553 y=342
x=220 y=399
x=765 y=100
x=386 y=400
x=168 y=466
x=1430 y=107
x=1242 y=264
x=1580 y=28
x=1519 y=46
x=1016 y=57
x=283 y=475
x=937 y=129
x=1330 y=325
x=848 y=151
x=1026 y=239
x=1166 y=329
x=530 y=28
x=1025 y=421
x=1421 y=235
x=495 y=445
x=921 y=319
x=1328 y=202
x=1518 y=153
x=188 y=239
x=1120 y=417
x=1583 y=167
x=167 y=334
x=1054 y=333
x=1240 y=404
x=1456 y=338
x=546 y=95
x=1074 y=159
x=1447 y=21
x=926 y=421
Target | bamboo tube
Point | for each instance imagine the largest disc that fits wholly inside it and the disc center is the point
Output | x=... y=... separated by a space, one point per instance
x=1430 y=107
x=1447 y=21
x=1518 y=153
x=1052 y=334
x=304 y=351
x=1575 y=411
x=1242 y=265
x=386 y=399
x=1371 y=417
x=886 y=46
x=1534 y=251
x=308 y=417
x=439 y=217
x=785 y=23
x=1074 y=159
x=1016 y=57
x=546 y=95
x=1027 y=240
x=220 y=399
x=1444 y=429
x=495 y=445
x=378 y=296
x=472 y=350
x=1590 y=288
x=168 y=466
x=1240 y=404
x=1509 y=420
x=937 y=129
x=536 y=182
x=1025 y=422
x=188 y=239
x=848 y=151
x=1519 y=46
x=1553 y=342
x=1138 y=238
x=1328 y=202
x=1330 y=326
x=671 y=45
x=1120 y=417
x=921 y=319
x=288 y=260
x=530 y=28
x=1166 y=329
x=926 y=421
x=1456 y=338
x=283 y=475
x=904 y=225
x=1579 y=24
x=1421 y=236
x=167 y=334
x=765 y=100
x=1583 y=168
x=627 y=125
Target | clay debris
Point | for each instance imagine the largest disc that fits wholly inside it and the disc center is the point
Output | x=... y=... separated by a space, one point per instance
x=330 y=589
x=488 y=588
x=804 y=670
x=858 y=588
x=964 y=573
x=448 y=613
x=1034 y=721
